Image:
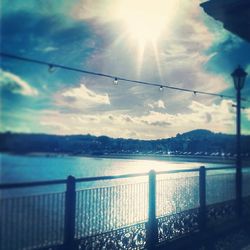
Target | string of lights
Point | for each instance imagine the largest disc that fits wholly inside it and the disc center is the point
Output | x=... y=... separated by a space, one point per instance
x=53 y=66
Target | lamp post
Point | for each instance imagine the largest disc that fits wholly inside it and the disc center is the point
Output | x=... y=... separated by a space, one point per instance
x=239 y=77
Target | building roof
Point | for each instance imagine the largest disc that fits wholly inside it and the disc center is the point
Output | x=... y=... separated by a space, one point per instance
x=234 y=14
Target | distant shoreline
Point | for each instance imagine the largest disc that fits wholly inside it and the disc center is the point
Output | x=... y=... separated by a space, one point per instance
x=181 y=158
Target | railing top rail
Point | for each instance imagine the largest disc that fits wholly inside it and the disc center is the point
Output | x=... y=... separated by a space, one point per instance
x=99 y=178
x=188 y=170
x=32 y=184
x=110 y=177
x=221 y=168
x=64 y=181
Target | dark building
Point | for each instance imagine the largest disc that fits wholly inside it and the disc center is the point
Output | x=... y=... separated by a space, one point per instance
x=234 y=14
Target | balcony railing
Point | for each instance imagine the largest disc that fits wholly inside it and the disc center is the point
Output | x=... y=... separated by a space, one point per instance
x=134 y=211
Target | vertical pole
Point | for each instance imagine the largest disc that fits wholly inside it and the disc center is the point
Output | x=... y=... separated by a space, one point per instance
x=69 y=219
x=238 y=160
x=202 y=193
x=152 y=225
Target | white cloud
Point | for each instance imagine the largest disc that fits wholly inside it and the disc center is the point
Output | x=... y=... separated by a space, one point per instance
x=82 y=93
x=247 y=113
x=216 y=117
x=15 y=84
x=80 y=97
x=157 y=104
x=49 y=49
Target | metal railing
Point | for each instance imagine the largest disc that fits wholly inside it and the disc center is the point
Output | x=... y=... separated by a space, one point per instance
x=129 y=212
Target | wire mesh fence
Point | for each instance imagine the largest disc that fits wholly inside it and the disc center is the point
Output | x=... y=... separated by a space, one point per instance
x=220 y=186
x=117 y=213
x=31 y=222
x=99 y=210
x=246 y=191
x=177 y=192
x=220 y=196
x=177 y=198
x=246 y=182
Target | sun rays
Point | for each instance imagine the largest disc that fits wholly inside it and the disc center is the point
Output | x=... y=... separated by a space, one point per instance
x=145 y=23
x=141 y=25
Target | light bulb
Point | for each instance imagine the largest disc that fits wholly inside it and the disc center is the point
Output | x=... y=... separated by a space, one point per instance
x=115 y=81
x=51 y=68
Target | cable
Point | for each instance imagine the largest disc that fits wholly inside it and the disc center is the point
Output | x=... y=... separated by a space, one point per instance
x=116 y=78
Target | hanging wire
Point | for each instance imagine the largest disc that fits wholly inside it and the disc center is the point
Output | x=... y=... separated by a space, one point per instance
x=116 y=78
x=235 y=106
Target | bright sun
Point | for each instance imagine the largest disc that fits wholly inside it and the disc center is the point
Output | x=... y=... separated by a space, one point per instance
x=145 y=20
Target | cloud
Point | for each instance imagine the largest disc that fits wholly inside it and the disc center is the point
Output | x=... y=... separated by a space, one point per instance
x=216 y=117
x=247 y=113
x=47 y=49
x=157 y=104
x=15 y=84
x=154 y=117
x=84 y=94
x=208 y=117
x=157 y=123
x=80 y=97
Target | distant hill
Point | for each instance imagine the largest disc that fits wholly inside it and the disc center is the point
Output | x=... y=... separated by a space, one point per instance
x=198 y=133
x=195 y=142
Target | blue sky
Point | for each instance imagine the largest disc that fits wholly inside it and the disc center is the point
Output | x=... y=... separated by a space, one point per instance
x=170 y=42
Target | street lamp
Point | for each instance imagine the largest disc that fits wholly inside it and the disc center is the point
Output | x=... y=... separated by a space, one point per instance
x=239 y=77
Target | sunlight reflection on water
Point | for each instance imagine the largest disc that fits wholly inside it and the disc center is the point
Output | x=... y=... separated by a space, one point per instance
x=35 y=168
x=138 y=166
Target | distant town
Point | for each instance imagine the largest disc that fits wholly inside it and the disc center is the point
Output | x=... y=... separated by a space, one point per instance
x=194 y=143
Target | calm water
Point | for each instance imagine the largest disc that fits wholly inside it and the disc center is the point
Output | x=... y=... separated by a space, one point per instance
x=15 y=168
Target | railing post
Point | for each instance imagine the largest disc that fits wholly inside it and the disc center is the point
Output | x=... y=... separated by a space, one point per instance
x=238 y=159
x=69 y=219
x=239 y=191
x=152 y=225
x=202 y=193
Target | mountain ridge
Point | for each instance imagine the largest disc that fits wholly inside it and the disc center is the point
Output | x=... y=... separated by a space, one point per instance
x=199 y=141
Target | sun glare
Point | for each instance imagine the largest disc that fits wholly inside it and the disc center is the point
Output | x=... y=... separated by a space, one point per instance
x=145 y=21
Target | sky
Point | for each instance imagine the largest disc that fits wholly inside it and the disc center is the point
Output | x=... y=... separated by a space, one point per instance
x=170 y=42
